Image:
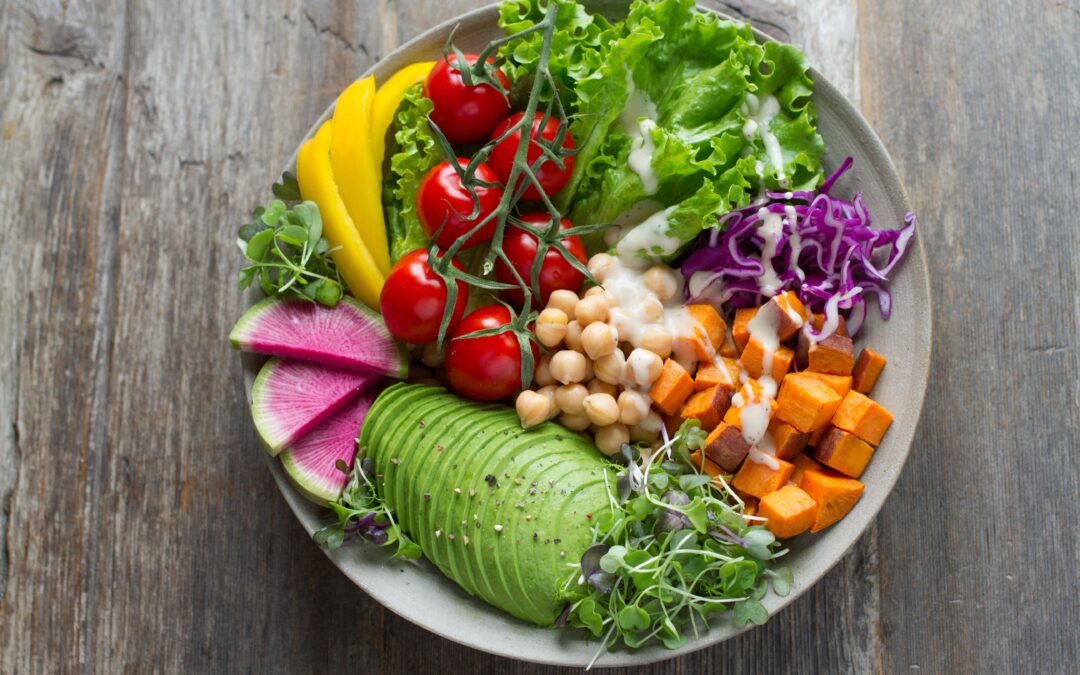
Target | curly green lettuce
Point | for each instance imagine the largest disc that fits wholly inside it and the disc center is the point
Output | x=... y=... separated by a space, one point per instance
x=413 y=153
x=698 y=81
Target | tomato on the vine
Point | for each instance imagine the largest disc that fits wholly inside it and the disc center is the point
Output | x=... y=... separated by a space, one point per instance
x=442 y=197
x=555 y=272
x=551 y=177
x=414 y=297
x=464 y=114
x=485 y=368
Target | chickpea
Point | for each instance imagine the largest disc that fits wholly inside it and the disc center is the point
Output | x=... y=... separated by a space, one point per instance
x=432 y=356
x=657 y=340
x=642 y=367
x=569 y=366
x=601 y=266
x=549 y=392
x=564 y=300
x=610 y=368
x=542 y=373
x=599 y=339
x=601 y=409
x=633 y=407
x=595 y=290
x=610 y=439
x=589 y=375
x=623 y=322
x=591 y=309
x=570 y=398
x=532 y=407
x=662 y=281
x=551 y=326
x=651 y=309
x=601 y=387
x=574 y=422
x=648 y=429
x=573 y=336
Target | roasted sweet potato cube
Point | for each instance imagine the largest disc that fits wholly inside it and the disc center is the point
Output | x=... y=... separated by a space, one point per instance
x=786 y=312
x=750 y=508
x=806 y=403
x=863 y=417
x=841 y=384
x=818 y=320
x=707 y=406
x=802 y=347
x=723 y=371
x=789 y=511
x=787 y=440
x=727 y=345
x=726 y=447
x=845 y=452
x=816 y=436
x=802 y=464
x=739 y=332
x=670 y=390
x=733 y=417
x=701 y=333
x=835 y=354
x=671 y=423
x=704 y=464
x=761 y=479
x=867 y=369
x=754 y=356
x=835 y=496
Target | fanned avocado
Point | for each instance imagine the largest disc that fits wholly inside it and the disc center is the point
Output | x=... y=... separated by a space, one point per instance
x=504 y=513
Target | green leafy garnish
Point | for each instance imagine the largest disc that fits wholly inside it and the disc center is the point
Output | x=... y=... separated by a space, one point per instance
x=673 y=549
x=287 y=254
x=359 y=513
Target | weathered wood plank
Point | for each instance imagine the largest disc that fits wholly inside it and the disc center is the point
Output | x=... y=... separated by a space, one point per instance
x=979 y=104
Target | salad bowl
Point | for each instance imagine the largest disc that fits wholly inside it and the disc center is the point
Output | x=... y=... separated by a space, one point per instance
x=420 y=594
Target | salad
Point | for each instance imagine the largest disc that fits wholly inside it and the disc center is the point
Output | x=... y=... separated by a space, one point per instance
x=574 y=319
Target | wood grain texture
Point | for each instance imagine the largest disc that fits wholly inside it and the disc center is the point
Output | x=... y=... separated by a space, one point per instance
x=141 y=530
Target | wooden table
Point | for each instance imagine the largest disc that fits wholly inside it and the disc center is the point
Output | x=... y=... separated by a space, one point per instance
x=141 y=528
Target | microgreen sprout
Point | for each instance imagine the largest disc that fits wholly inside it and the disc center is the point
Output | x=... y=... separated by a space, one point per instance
x=673 y=549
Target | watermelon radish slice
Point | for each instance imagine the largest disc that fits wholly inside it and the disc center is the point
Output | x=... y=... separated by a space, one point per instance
x=290 y=398
x=311 y=463
x=347 y=336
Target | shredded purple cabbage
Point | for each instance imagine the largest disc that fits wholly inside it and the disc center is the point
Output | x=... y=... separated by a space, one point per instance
x=825 y=255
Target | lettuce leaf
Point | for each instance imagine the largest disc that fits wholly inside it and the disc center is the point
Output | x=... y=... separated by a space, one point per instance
x=413 y=153
x=700 y=79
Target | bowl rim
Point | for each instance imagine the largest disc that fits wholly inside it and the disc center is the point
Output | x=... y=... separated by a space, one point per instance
x=820 y=565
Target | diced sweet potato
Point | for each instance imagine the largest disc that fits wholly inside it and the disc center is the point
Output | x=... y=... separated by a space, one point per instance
x=761 y=479
x=727 y=345
x=818 y=320
x=726 y=447
x=841 y=384
x=670 y=390
x=701 y=334
x=671 y=423
x=816 y=436
x=733 y=417
x=847 y=453
x=721 y=372
x=753 y=358
x=788 y=313
x=806 y=403
x=707 y=407
x=802 y=464
x=787 y=440
x=835 y=496
x=739 y=332
x=802 y=346
x=867 y=368
x=704 y=464
x=750 y=508
x=863 y=417
x=789 y=510
x=835 y=354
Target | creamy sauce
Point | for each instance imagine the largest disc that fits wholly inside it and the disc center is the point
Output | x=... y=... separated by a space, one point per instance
x=638 y=121
x=650 y=236
x=760 y=113
x=770 y=229
x=794 y=241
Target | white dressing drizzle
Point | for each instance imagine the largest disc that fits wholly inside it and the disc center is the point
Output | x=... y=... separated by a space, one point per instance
x=650 y=236
x=638 y=121
x=760 y=113
x=770 y=229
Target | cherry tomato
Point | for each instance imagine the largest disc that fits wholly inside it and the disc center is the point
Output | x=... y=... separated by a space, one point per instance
x=551 y=177
x=555 y=272
x=413 y=299
x=485 y=368
x=442 y=197
x=464 y=114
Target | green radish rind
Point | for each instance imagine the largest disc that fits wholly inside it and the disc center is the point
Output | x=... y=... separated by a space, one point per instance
x=393 y=361
x=417 y=434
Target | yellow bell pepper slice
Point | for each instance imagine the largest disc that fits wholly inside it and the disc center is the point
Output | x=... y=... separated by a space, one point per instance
x=388 y=100
x=354 y=261
x=355 y=172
